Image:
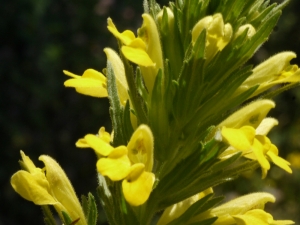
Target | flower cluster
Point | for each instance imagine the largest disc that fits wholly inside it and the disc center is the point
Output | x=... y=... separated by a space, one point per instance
x=188 y=114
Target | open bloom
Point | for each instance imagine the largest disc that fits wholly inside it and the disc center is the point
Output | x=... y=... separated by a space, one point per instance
x=92 y=83
x=275 y=70
x=134 y=49
x=245 y=210
x=246 y=130
x=144 y=50
x=48 y=186
x=132 y=163
x=255 y=146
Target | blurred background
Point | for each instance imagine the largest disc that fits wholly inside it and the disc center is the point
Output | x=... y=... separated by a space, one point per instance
x=41 y=38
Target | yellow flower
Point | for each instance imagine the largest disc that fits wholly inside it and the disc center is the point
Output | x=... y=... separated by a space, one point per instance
x=250 y=115
x=134 y=49
x=246 y=129
x=176 y=210
x=140 y=147
x=275 y=70
x=92 y=83
x=258 y=216
x=250 y=32
x=218 y=34
x=132 y=164
x=116 y=165
x=119 y=72
x=144 y=50
x=245 y=210
x=52 y=188
x=102 y=134
x=137 y=186
x=254 y=146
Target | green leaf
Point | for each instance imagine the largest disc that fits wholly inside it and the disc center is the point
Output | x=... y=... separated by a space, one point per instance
x=136 y=100
x=225 y=163
x=85 y=205
x=158 y=120
x=67 y=219
x=92 y=212
x=105 y=197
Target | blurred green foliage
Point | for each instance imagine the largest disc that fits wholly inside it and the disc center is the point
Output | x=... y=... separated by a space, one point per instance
x=40 y=38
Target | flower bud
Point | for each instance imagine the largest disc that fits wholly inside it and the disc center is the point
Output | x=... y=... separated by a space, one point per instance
x=218 y=34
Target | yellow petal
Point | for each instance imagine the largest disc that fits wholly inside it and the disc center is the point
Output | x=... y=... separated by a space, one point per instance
x=126 y=37
x=30 y=167
x=137 y=56
x=283 y=164
x=92 y=83
x=240 y=139
x=265 y=126
x=71 y=74
x=62 y=189
x=150 y=35
x=138 y=185
x=140 y=147
x=258 y=150
x=238 y=206
x=200 y=26
x=270 y=69
x=253 y=217
x=32 y=187
x=101 y=147
x=176 y=210
x=119 y=71
x=251 y=30
x=87 y=86
x=251 y=114
x=105 y=136
x=81 y=143
x=94 y=74
x=243 y=204
x=218 y=34
x=116 y=166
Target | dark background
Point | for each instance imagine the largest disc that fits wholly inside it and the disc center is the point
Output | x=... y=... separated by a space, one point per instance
x=38 y=115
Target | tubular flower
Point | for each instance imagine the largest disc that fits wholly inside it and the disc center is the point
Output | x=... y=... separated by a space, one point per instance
x=144 y=50
x=140 y=179
x=132 y=163
x=273 y=71
x=119 y=71
x=245 y=210
x=250 y=115
x=246 y=130
x=48 y=186
x=218 y=34
x=121 y=82
x=176 y=210
x=92 y=83
x=134 y=49
x=250 y=30
x=255 y=145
